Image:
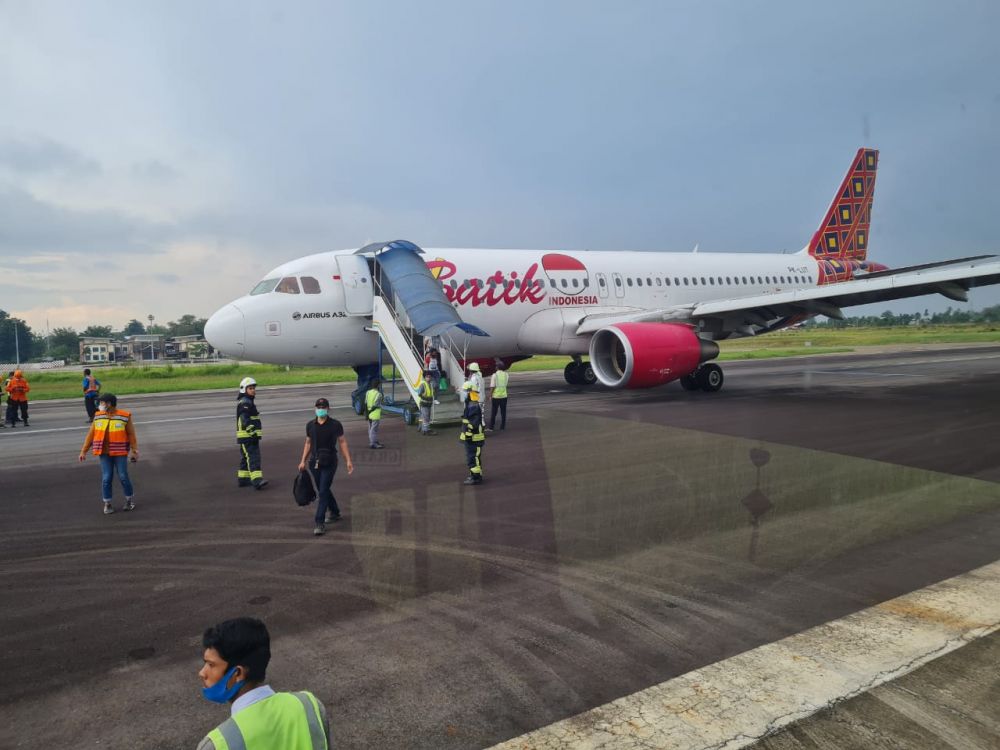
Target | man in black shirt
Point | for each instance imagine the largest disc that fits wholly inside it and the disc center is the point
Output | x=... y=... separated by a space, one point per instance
x=319 y=455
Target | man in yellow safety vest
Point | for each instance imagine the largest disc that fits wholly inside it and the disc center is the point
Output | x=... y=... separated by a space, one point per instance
x=236 y=656
x=498 y=397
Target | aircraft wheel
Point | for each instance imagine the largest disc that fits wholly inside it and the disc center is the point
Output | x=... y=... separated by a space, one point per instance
x=710 y=378
x=690 y=382
x=572 y=373
x=586 y=374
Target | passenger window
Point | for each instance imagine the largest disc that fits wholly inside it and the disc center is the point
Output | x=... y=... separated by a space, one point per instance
x=310 y=285
x=629 y=281
x=638 y=282
x=685 y=281
x=600 y=280
x=659 y=281
x=576 y=283
x=649 y=281
x=267 y=285
x=618 y=281
x=703 y=281
x=564 y=284
x=711 y=281
x=288 y=285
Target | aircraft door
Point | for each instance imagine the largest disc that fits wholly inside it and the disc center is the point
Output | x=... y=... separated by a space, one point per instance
x=602 y=285
x=619 y=285
x=357 y=280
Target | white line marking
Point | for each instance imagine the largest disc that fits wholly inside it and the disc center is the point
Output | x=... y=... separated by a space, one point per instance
x=848 y=371
x=734 y=702
x=34 y=431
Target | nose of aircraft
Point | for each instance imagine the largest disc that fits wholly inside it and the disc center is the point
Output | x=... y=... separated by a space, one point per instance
x=226 y=330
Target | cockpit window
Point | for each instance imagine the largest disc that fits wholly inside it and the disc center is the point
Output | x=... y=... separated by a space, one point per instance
x=267 y=285
x=288 y=285
x=310 y=285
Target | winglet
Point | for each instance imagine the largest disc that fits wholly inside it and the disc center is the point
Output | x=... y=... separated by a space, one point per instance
x=844 y=231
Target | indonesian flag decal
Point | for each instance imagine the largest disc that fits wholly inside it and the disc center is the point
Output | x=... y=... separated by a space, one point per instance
x=559 y=267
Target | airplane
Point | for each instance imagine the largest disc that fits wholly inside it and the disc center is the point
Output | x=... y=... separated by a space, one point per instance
x=643 y=318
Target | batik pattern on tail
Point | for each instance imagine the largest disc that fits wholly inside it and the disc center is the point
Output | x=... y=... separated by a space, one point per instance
x=840 y=245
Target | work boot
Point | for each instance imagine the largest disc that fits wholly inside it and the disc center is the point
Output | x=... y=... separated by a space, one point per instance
x=471 y=480
x=260 y=485
x=129 y=505
x=320 y=530
x=243 y=483
x=331 y=518
x=108 y=510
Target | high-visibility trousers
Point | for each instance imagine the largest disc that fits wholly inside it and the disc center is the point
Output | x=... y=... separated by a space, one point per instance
x=474 y=457
x=249 y=471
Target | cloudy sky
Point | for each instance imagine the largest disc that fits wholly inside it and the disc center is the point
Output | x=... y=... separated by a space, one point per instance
x=159 y=157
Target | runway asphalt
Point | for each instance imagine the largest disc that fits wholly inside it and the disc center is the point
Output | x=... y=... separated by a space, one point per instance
x=621 y=539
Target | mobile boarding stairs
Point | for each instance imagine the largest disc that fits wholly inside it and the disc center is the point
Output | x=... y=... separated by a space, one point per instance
x=409 y=307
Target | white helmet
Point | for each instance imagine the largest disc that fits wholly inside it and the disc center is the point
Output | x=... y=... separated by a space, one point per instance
x=474 y=367
x=246 y=383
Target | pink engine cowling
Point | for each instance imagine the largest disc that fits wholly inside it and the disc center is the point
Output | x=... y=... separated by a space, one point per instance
x=644 y=355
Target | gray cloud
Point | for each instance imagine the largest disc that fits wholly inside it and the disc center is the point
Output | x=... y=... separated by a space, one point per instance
x=42 y=155
x=167 y=278
x=154 y=170
x=30 y=225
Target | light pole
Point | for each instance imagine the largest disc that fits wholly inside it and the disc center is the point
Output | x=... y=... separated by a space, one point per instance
x=17 y=345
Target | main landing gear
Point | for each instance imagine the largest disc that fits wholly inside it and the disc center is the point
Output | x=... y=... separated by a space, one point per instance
x=705 y=378
x=579 y=373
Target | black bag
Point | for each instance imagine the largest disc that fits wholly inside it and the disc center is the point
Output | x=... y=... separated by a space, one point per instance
x=303 y=489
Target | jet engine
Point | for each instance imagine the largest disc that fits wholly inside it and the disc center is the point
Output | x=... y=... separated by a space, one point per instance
x=643 y=355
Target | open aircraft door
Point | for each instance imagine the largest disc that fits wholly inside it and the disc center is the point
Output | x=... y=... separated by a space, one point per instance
x=357 y=280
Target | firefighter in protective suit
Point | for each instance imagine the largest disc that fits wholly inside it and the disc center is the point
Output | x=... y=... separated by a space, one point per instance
x=472 y=433
x=248 y=434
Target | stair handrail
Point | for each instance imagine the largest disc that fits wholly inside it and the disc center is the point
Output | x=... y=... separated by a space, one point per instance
x=447 y=341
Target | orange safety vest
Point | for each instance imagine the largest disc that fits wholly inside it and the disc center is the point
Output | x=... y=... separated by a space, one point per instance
x=92 y=386
x=18 y=389
x=111 y=428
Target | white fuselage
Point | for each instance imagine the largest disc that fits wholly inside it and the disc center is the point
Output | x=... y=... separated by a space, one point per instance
x=529 y=301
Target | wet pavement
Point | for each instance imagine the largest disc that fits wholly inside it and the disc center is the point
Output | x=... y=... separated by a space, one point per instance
x=621 y=539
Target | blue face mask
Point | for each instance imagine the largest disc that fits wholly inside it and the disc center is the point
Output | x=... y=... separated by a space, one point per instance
x=321 y=412
x=219 y=693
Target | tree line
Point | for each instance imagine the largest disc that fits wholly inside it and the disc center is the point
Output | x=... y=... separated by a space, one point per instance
x=64 y=343
x=951 y=316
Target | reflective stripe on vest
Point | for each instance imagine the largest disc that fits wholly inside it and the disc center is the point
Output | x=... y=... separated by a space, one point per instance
x=255 y=421
x=92 y=386
x=502 y=377
x=111 y=430
x=426 y=393
x=278 y=717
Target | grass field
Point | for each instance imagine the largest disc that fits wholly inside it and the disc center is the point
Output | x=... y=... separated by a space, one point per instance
x=127 y=380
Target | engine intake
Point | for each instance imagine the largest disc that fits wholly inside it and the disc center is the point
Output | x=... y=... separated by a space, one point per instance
x=644 y=355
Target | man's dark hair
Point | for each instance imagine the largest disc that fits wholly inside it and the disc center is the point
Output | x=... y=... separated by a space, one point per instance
x=86 y=371
x=242 y=642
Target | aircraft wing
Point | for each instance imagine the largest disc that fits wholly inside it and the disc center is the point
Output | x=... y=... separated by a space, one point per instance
x=761 y=312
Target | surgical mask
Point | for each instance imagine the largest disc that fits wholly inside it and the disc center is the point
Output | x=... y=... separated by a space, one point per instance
x=321 y=413
x=219 y=693
x=103 y=407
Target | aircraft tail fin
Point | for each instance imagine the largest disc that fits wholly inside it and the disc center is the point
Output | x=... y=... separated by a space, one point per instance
x=843 y=235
